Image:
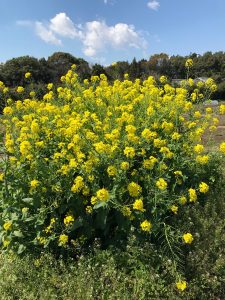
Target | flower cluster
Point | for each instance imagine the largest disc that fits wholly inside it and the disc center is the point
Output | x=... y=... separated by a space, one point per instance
x=93 y=158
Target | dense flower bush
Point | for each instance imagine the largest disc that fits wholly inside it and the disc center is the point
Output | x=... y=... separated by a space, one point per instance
x=100 y=160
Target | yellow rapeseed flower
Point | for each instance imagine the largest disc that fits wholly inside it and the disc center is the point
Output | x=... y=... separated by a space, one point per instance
x=188 y=238
x=138 y=205
x=146 y=226
x=203 y=187
x=161 y=184
x=134 y=189
x=102 y=194
x=181 y=285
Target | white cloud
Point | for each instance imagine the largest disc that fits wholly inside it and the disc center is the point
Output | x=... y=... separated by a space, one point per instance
x=46 y=34
x=96 y=36
x=153 y=4
x=62 y=25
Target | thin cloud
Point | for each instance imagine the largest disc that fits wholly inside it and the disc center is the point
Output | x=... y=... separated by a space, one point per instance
x=153 y=5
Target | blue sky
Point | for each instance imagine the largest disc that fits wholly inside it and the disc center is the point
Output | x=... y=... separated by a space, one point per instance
x=105 y=31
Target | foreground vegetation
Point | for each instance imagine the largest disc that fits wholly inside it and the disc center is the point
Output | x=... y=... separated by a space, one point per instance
x=110 y=184
x=129 y=274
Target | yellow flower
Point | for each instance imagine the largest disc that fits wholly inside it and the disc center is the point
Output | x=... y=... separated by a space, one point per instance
x=34 y=183
x=124 y=165
x=146 y=226
x=63 y=239
x=25 y=210
x=174 y=209
x=6 y=243
x=198 y=148
x=192 y=195
x=94 y=200
x=126 y=211
x=1 y=176
x=111 y=170
x=183 y=200
x=222 y=109
x=181 y=285
x=25 y=147
x=188 y=238
x=20 y=89
x=189 y=63
x=203 y=187
x=102 y=194
x=161 y=184
x=163 y=79
x=78 y=184
x=27 y=75
x=7 y=225
x=134 y=189
x=138 y=205
x=222 y=147
x=129 y=152
x=89 y=209
x=68 y=220
x=202 y=159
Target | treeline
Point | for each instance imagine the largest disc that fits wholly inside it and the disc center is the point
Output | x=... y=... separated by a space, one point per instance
x=49 y=70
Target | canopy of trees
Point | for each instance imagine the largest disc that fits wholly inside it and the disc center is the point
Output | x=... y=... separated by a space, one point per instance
x=50 y=70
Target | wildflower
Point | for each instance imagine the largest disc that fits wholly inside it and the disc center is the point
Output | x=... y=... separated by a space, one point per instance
x=161 y=184
x=138 y=205
x=124 y=165
x=134 y=189
x=89 y=209
x=146 y=226
x=192 y=195
x=6 y=243
x=222 y=147
x=1 y=176
x=183 y=200
x=222 y=109
x=129 y=152
x=126 y=211
x=111 y=170
x=68 y=220
x=203 y=187
x=78 y=184
x=20 y=89
x=27 y=75
x=7 y=225
x=94 y=200
x=25 y=147
x=198 y=148
x=174 y=209
x=34 y=183
x=181 y=285
x=202 y=159
x=188 y=238
x=163 y=79
x=189 y=63
x=63 y=239
x=25 y=210
x=102 y=194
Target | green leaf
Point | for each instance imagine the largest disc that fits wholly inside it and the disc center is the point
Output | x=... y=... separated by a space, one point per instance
x=28 y=200
x=18 y=233
x=21 y=249
x=100 y=204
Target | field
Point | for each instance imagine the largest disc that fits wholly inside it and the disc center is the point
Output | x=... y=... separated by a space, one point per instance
x=111 y=191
